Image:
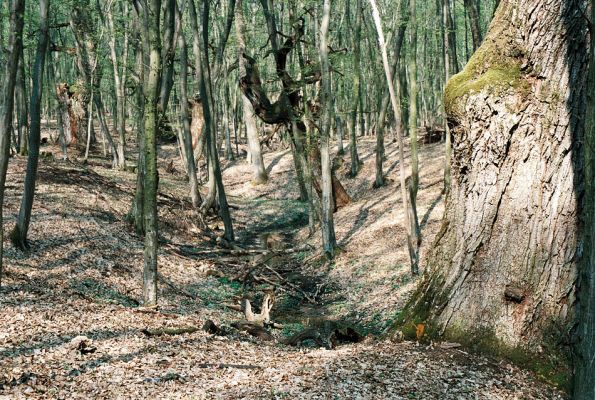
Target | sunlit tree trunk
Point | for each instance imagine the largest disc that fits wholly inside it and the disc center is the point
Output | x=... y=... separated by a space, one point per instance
x=215 y=176
x=413 y=92
x=329 y=241
x=355 y=102
x=149 y=12
x=119 y=84
x=411 y=244
x=187 y=139
x=503 y=269
x=256 y=160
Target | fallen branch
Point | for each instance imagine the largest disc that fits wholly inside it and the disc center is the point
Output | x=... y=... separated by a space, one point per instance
x=170 y=331
x=224 y=366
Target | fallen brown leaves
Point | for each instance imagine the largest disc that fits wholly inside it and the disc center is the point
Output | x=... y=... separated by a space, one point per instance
x=71 y=328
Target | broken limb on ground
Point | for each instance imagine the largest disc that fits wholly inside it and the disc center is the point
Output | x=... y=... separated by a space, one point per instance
x=72 y=327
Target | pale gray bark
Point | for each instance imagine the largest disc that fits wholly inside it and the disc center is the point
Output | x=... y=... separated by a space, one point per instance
x=413 y=256
x=329 y=242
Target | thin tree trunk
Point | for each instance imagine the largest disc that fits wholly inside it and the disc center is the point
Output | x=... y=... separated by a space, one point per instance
x=413 y=92
x=329 y=241
x=254 y=149
x=402 y=21
x=447 y=68
x=356 y=101
x=472 y=9
x=413 y=257
x=190 y=163
x=15 y=43
x=211 y=140
x=19 y=233
x=452 y=38
x=21 y=108
x=119 y=81
x=584 y=364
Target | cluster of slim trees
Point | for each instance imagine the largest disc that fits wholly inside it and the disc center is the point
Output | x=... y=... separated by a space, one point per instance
x=211 y=74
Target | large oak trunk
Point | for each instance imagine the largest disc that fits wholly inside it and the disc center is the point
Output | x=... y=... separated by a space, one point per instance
x=504 y=265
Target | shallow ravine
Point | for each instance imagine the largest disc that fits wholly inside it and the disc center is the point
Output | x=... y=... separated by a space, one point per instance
x=82 y=277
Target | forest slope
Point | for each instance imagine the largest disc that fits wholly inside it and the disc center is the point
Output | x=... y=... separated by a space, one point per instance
x=82 y=277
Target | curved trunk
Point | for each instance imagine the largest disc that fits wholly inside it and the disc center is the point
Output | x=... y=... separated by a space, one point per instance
x=504 y=264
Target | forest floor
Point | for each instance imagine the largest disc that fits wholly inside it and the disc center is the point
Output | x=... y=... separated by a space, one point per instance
x=71 y=325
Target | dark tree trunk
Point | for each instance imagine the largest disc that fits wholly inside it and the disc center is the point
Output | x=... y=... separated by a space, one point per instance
x=472 y=8
x=15 y=43
x=20 y=94
x=584 y=365
x=504 y=266
x=19 y=233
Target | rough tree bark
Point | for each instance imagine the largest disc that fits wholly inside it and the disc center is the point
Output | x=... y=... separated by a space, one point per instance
x=502 y=273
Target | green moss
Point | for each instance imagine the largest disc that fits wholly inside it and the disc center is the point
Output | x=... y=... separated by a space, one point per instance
x=551 y=365
x=495 y=66
x=419 y=310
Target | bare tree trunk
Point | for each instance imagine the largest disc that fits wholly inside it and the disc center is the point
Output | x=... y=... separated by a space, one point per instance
x=135 y=215
x=413 y=92
x=584 y=350
x=503 y=269
x=356 y=101
x=259 y=171
x=15 y=43
x=187 y=139
x=19 y=233
x=206 y=90
x=402 y=21
x=472 y=9
x=452 y=38
x=446 y=56
x=329 y=242
x=21 y=108
x=413 y=257
x=119 y=83
x=149 y=16
x=87 y=62
x=255 y=151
